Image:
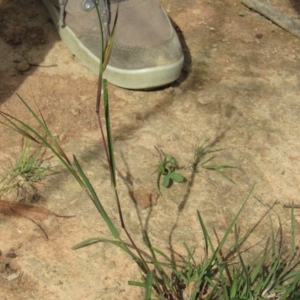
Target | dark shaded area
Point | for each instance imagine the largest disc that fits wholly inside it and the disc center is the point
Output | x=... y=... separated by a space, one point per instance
x=22 y=28
x=296 y=5
x=187 y=65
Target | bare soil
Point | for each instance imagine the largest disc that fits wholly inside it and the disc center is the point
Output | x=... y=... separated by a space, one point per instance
x=239 y=88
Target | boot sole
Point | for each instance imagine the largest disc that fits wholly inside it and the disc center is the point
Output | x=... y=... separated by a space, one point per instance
x=130 y=79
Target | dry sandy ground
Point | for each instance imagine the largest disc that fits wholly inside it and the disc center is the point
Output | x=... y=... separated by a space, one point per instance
x=239 y=88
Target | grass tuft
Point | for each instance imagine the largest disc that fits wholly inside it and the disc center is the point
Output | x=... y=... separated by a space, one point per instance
x=29 y=169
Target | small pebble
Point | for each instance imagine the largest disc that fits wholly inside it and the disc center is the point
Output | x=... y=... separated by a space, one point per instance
x=75 y=111
x=23 y=66
x=169 y=90
x=84 y=98
x=61 y=137
x=13 y=276
x=204 y=100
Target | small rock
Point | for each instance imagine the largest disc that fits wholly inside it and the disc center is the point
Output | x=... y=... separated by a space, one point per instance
x=23 y=66
x=75 y=111
x=61 y=137
x=13 y=276
x=169 y=90
x=84 y=98
x=204 y=100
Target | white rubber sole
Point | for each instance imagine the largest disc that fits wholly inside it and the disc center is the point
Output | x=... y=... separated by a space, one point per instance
x=129 y=79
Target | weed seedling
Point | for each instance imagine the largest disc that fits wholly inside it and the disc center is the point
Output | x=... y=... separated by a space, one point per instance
x=203 y=155
x=167 y=170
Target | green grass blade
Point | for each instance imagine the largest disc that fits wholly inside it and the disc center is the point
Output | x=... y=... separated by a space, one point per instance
x=136 y=283
x=257 y=265
x=223 y=291
x=148 y=285
x=101 y=40
x=223 y=174
x=46 y=129
x=109 y=135
x=207 y=239
x=217 y=166
x=155 y=260
x=219 y=169
x=292 y=250
x=222 y=242
x=114 y=231
x=87 y=242
x=189 y=252
x=110 y=42
x=117 y=243
x=163 y=255
x=244 y=267
x=16 y=128
x=91 y=241
x=234 y=284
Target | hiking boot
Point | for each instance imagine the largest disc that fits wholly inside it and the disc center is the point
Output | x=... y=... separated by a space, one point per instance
x=146 y=51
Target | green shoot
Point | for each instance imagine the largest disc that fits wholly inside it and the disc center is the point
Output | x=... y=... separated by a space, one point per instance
x=167 y=171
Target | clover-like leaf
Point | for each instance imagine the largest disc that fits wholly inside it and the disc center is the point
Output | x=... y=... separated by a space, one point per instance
x=166 y=181
x=176 y=177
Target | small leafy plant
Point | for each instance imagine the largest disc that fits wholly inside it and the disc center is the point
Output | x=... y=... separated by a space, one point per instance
x=167 y=170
